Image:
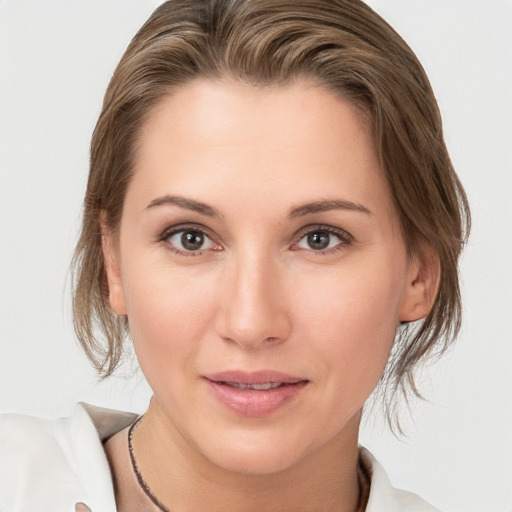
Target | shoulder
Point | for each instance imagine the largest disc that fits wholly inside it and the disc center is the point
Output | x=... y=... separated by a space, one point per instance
x=50 y=465
x=383 y=496
x=411 y=502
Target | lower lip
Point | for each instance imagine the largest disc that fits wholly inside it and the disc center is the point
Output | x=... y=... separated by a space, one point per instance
x=254 y=403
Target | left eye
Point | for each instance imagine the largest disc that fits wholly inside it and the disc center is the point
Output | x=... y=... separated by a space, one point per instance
x=320 y=240
x=190 y=240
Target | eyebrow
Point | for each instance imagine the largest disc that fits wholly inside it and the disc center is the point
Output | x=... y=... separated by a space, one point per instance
x=324 y=206
x=183 y=202
x=299 y=211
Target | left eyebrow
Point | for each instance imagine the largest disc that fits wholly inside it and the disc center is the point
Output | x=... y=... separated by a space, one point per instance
x=324 y=206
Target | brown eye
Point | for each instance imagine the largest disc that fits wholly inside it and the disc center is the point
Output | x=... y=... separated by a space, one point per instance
x=318 y=240
x=190 y=240
x=322 y=240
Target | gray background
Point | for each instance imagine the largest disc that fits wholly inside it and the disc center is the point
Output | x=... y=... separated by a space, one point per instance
x=55 y=61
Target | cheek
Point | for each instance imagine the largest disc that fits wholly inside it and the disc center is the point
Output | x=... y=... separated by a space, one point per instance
x=168 y=315
x=351 y=318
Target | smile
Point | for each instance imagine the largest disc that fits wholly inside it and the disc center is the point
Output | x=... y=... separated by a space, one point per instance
x=259 y=387
x=254 y=394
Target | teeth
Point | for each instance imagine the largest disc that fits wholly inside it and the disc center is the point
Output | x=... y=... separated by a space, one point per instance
x=268 y=385
x=258 y=387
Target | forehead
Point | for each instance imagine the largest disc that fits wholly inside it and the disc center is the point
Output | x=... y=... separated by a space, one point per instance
x=299 y=137
x=240 y=113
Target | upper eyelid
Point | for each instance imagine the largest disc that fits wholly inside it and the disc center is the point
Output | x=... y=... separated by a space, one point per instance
x=323 y=227
x=191 y=226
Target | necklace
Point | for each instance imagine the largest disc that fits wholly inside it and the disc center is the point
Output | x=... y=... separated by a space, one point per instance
x=363 y=477
x=144 y=486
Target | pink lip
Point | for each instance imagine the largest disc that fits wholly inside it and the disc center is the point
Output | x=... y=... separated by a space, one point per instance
x=251 y=402
x=259 y=377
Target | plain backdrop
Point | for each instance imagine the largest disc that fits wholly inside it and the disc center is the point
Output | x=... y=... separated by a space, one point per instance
x=56 y=58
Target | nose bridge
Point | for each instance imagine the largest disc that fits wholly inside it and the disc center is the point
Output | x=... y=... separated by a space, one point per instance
x=252 y=309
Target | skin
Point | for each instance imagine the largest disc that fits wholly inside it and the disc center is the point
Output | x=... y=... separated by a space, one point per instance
x=257 y=295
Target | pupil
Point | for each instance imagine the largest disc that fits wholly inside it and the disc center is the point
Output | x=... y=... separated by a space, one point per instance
x=192 y=240
x=318 y=240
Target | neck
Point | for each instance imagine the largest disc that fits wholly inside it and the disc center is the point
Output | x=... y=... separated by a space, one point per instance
x=184 y=480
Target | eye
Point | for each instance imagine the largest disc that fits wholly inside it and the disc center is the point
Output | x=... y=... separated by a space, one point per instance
x=189 y=241
x=323 y=239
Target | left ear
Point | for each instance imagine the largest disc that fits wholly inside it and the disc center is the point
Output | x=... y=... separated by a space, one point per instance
x=422 y=285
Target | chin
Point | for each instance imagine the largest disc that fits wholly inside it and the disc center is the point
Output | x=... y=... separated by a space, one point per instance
x=258 y=464
x=256 y=455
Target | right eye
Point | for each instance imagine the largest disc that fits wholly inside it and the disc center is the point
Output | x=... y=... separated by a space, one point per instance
x=190 y=242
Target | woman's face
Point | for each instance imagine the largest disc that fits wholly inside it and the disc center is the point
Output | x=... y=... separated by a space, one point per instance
x=262 y=269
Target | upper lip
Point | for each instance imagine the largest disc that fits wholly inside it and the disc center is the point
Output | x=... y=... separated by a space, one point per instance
x=256 y=377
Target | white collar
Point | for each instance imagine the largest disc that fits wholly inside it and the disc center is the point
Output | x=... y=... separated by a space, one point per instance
x=106 y=422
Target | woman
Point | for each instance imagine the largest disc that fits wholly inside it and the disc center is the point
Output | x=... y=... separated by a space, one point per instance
x=270 y=210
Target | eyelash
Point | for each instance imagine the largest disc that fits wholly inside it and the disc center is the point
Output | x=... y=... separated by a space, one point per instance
x=345 y=239
x=183 y=228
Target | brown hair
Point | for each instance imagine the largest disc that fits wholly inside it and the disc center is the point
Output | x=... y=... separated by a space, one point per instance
x=344 y=46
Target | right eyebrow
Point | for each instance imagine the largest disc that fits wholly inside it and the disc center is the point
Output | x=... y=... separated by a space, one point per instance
x=186 y=203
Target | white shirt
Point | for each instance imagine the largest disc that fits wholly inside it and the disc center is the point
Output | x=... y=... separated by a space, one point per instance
x=49 y=466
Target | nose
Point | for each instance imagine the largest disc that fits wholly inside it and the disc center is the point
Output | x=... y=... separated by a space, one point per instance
x=253 y=309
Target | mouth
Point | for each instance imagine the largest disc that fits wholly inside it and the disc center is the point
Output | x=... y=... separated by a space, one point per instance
x=255 y=394
x=259 y=387
x=256 y=378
